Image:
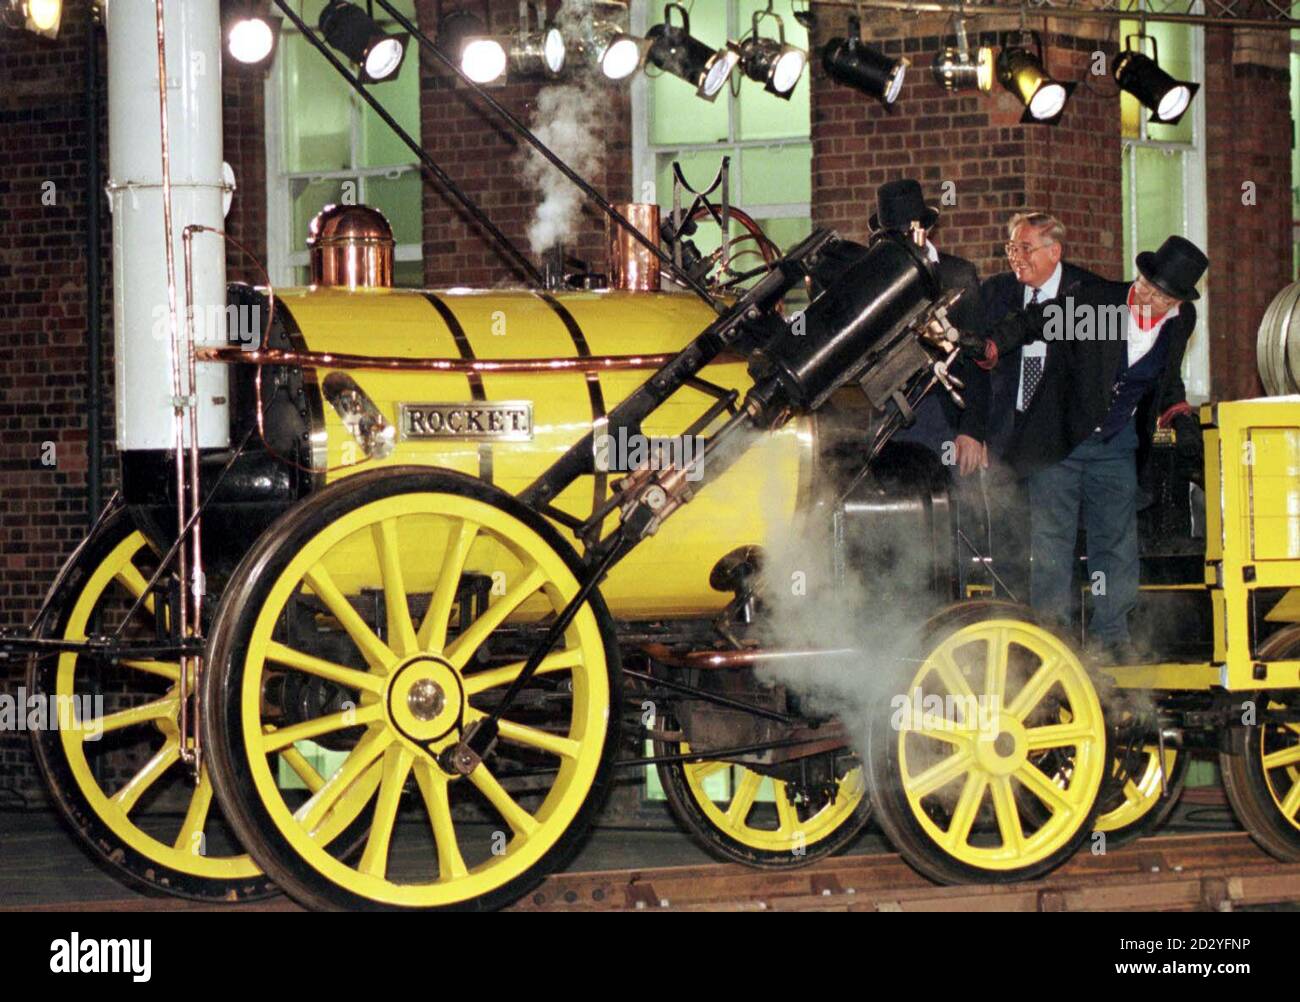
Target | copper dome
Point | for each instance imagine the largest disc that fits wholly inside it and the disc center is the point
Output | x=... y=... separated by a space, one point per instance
x=350 y=246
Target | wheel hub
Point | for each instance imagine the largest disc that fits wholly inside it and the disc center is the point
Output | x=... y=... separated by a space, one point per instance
x=1003 y=748
x=425 y=698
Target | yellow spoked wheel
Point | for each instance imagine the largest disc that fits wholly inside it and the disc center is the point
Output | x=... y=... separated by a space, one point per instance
x=1261 y=766
x=1143 y=799
x=741 y=815
x=112 y=764
x=954 y=757
x=406 y=601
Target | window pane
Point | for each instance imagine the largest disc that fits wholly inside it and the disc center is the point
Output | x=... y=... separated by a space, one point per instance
x=399 y=199
x=378 y=145
x=309 y=197
x=677 y=114
x=785 y=233
x=317 y=109
x=775 y=175
x=1159 y=199
x=764 y=115
x=408 y=274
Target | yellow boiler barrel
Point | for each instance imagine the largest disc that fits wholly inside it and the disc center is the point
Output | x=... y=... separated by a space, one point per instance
x=667 y=575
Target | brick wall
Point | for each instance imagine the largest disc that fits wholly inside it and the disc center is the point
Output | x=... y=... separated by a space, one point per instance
x=974 y=159
x=486 y=160
x=1248 y=125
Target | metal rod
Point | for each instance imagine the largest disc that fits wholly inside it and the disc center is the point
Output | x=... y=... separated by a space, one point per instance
x=1035 y=10
x=94 y=278
x=431 y=165
x=527 y=134
x=712 y=697
x=392 y=363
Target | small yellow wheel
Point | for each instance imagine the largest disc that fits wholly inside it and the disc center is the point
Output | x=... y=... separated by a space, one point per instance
x=116 y=776
x=953 y=755
x=409 y=599
x=1261 y=766
x=1143 y=800
x=741 y=815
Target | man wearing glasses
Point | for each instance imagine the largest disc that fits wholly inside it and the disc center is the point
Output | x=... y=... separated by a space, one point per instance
x=1038 y=274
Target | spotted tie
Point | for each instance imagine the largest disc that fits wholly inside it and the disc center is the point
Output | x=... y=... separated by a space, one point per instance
x=1031 y=367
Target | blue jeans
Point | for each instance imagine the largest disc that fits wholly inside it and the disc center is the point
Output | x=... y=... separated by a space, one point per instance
x=1102 y=478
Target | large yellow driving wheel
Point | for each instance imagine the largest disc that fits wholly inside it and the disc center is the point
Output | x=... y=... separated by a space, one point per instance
x=113 y=765
x=737 y=813
x=409 y=599
x=955 y=756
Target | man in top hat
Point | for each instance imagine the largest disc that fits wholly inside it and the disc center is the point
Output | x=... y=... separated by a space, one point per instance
x=954 y=433
x=1112 y=372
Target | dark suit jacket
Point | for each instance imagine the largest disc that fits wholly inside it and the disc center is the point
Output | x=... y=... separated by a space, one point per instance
x=1075 y=394
x=1002 y=294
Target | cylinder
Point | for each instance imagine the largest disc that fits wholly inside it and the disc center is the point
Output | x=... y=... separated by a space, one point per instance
x=1278 y=346
x=142 y=331
x=350 y=247
x=857 y=316
x=632 y=266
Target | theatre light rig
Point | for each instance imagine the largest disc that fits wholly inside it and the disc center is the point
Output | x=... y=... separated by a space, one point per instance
x=771 y=61
x=1020 y=70
x=851 y=61
x=1141 y=76
x=357 y=35
x=964 y=68
x=251 y=33
x=40 y=17
x=675 y=50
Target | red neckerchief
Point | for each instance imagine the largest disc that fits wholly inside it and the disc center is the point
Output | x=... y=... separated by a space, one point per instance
x=1143 y=316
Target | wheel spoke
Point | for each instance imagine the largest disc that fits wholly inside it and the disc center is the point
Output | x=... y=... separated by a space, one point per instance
x=556 y=744
x=377 y=654
x=433 y=630
x=1004 y=806
x=460 y=650
x=1291 y=803
x=284 y=737
x=787 y=817
x=169 y=670
x=995 y=665
x=350 y=678
x=433 y=788
x=158 y=709
x=700 y=771
x=401 y=631
x=1035 y=689
x=163 y=759
x=493 y=677
x=1057 y=736
x=942 y=729
x=742 y=800
x=963 y=815
x=1283 y=757
x=130 y=578
x=938 y=775
x=367 y=751
x=296 y=761
x=196 y=816
x=1052 y=796
x=952 y=677
x=520 y=821
x=397 y=764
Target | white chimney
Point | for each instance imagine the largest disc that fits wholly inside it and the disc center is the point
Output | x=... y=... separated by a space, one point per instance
x=141 y=323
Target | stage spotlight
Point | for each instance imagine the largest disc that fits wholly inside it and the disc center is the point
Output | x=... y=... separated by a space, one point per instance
x=770 y=61
x=961 y=69
x=40 y=17
x=1141 y=76
x=851 y=61
x=614 y=51
x=675 y=50
x=465 y=39
x=1021 y=72
x=251 y=35
x=359 y=37
x=538 y=53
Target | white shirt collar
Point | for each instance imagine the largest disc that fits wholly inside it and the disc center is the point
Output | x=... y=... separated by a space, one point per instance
x=1048 y=289
x=931 y=252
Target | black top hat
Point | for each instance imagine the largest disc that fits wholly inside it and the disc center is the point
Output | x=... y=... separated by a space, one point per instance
x=1175 y=268
x=898 y=203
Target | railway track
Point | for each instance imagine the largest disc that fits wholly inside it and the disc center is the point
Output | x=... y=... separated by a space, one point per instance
x=1214 y=872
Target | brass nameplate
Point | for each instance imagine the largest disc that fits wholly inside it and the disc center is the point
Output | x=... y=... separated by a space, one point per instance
x=495 y=421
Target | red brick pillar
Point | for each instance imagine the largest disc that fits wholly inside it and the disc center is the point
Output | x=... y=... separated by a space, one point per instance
x=1248 y=195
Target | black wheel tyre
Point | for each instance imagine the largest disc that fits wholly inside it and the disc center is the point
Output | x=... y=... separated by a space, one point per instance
x=1154 y=817
x=1257 y=793
x=228 y=649
x=892 y=809
x=133 y=860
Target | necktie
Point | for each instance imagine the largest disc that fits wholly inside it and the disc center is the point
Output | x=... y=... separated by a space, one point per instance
x=1034 y=298
x=1031 y=367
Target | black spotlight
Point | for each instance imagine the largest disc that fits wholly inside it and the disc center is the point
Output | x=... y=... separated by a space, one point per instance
x=770 y=61
x=674 y=50
x=851 y=61
x=1142 y=77
x=1021 y=72
x=359 y=37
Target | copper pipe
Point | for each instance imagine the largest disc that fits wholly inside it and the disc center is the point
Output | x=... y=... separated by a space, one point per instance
x=633 y=268
x=738 y=658
x=389 y=363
